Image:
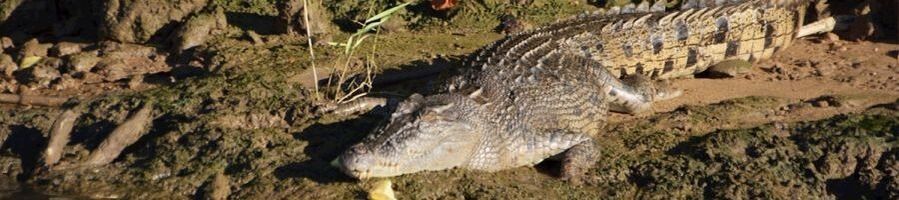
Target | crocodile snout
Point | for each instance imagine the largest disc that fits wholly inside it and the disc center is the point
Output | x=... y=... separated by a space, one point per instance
x=355 y=162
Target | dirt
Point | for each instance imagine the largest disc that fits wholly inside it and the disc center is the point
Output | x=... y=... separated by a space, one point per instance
x=235 y=117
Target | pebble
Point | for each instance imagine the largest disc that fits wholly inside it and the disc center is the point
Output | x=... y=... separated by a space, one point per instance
x=832 y=37
x=6 y=43
x=44 y=73
x=257 y=39
x=33 y=48
x=82 y=61
x=65 y=48
x=821 y=103
x=822 y=72
x=135 y=82
x=7 y=65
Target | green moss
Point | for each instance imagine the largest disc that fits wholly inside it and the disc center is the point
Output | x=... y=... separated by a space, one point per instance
x=261 y=7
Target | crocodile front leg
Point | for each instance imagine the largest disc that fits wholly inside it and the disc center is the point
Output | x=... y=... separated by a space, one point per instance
x=578 y=160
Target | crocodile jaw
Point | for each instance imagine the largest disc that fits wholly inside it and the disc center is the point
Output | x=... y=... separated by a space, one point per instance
x=430 y=138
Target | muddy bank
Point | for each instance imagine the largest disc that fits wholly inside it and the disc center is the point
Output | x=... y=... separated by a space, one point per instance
x=233 y=113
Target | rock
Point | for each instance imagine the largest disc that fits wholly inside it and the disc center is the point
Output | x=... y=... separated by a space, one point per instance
x=121 y=61
x=136 y=81
x=8 y=86
x=33 y=48
x=6 y=43
x=729 y=68
x=843 y=49
x=394 y=25
x=831 y=37
x=67 y=82
x=196 y=30
x=291 y=14
x=82 y=61
x=7 y=65
x=257 y=39
x=137 y=21
x=125 y=50
x=823 y=71
x=65 y=48
x=511 y=24
x=42 y=74
x=820 y=104
x=218 y=188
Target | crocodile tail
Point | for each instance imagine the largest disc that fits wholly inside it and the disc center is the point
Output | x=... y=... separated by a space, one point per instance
x=675 y=44
x=714 y=3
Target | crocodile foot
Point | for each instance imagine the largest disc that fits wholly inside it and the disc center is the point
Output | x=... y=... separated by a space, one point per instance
x=577 y=161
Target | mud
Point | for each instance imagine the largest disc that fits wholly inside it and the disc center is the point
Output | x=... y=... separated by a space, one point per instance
x=234 y=115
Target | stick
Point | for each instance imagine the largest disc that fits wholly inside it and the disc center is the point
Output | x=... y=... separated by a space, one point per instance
x=59 y=136
x=123 y=136
x=835 y=23
x=29 y=100
x=360 y=105
x=309 y=41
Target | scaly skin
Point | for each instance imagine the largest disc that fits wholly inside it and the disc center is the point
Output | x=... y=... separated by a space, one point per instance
x=547 y=92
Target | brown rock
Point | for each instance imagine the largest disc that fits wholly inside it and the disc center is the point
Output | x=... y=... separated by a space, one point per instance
x=821 y=104
x=831 y=37
x=8 y=86
x=135 y=82
x=43 y=73
x=67 y=82
x=33 y=48
x=137 y=21
x=511 y=24
x=291 y=13
x=125 y=50
x=218 y=188
x=257 y=39
x=82 y=61
x=6 y=43
x=65 y=48
x=196 y=30
x=843 y=49
x=129 y=60
x=7 y=65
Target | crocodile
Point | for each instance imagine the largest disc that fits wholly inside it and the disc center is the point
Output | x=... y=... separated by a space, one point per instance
x=545 y=93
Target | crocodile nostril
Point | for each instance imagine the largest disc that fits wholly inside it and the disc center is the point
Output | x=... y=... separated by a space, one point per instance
x=357 y=149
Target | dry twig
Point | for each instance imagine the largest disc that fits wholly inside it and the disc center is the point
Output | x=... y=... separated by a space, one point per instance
x=123 y=136
x=59 y=136
x=30 y=100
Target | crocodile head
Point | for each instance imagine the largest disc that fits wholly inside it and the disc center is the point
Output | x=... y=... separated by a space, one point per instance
x=433 y=133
